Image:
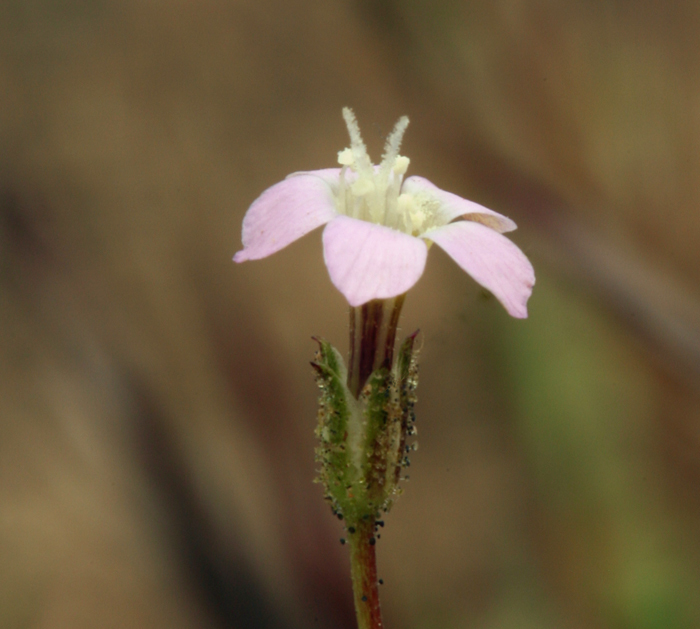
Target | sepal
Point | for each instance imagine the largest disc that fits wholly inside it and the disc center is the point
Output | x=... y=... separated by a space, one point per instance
x=336 y=474
x=363 y=442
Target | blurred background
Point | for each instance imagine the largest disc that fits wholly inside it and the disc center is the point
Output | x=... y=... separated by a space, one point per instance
x=156 y=403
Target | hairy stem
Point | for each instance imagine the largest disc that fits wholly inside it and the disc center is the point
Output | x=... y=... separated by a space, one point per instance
x=363 y=566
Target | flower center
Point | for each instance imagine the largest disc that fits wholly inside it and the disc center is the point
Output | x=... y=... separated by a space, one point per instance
x=373 y=193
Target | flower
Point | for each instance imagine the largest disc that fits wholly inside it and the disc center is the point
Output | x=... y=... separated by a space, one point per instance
x=379 y=226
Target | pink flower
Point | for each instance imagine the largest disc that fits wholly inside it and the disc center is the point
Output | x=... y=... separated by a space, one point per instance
x=379 y=227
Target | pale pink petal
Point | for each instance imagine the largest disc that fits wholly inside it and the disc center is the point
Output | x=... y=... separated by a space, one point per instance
x=491 y=259
x=368 y=261
x=286 y=212
x=330 y=175
x=453 y=206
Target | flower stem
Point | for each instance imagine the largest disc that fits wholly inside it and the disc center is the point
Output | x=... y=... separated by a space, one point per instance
x=373 y=329
x=363 y=567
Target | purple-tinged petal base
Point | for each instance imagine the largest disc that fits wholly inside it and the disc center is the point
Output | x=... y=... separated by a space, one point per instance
x=491 y=259
x=284 y=213
x=368 y=261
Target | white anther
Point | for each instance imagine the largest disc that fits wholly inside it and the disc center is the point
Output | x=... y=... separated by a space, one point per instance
x=346 y=157
x=405 y=204
x=401 y=165
x=417 y=219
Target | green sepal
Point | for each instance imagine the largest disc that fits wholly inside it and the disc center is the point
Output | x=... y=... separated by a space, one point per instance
x=336 y=472
x=407 y=383
x=376 y=398
x=363 y=442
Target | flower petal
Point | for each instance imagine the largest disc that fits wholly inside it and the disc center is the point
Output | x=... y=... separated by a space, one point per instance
x=330 y=175
x=491 y=259
x=285 y=212
x=453 y=206
x=368 y=261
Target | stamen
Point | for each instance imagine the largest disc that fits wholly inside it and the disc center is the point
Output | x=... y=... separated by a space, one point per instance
x=346 y=157
x=405 y=207
x=363 y=187
x=401 y=165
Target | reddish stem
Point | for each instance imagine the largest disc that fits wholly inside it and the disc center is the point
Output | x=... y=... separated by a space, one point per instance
x=363 y=565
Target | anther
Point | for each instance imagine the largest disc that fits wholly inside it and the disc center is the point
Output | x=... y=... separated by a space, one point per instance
x=346 y=157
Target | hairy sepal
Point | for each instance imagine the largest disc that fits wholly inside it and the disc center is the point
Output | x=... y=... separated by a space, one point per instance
x=363 y=442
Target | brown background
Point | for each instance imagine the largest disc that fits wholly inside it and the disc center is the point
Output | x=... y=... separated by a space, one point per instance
x=156 y=404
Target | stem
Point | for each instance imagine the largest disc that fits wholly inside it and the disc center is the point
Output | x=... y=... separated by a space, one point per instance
x=373 y=329
x=363 y=567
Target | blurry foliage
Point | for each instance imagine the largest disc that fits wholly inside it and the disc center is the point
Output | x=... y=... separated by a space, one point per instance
x=585 y=416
